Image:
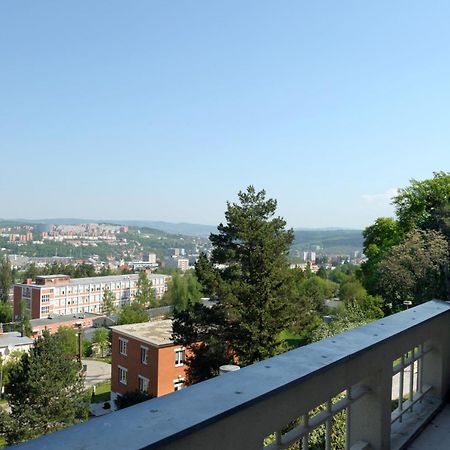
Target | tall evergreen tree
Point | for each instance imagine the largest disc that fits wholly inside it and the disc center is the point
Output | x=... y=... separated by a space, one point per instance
x=45 y=392
x=5 y=279
x=248 y=277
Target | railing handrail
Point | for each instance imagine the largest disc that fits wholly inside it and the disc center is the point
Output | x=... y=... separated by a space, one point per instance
x=166 y=419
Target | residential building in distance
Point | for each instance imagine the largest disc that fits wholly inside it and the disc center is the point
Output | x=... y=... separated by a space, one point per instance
x=12 y=341
x=177 y=262
x=145 y=358
x=55 y=295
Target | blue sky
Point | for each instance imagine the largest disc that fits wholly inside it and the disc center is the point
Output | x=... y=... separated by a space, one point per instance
x=164 y=110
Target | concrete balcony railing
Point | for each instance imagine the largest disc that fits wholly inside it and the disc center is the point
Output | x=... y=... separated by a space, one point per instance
x=251 y=408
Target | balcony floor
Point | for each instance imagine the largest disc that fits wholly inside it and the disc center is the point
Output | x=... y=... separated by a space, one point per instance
x=436 y=435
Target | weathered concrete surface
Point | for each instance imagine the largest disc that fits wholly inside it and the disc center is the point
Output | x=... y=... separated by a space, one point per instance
x=436 y=435
x=97 y=372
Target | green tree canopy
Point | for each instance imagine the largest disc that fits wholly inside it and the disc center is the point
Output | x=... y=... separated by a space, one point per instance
x=415 y=270
x=5 y=279
x=134 y=313
x=422 y=203
x=392 y=245
x=109 y=305
x=248 y=277
x=45 y=392
x=183 y=289
x=101 y=338
x=145 y=293
x=68 y=340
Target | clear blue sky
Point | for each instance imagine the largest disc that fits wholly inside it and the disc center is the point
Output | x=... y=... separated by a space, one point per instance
x=163 y=110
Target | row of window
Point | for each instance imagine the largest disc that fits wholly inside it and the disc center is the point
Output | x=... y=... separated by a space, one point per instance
x=143 y=381
x=123 y=350
x=93 y=288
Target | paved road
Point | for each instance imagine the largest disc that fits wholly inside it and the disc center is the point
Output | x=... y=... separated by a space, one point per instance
x=96 y=372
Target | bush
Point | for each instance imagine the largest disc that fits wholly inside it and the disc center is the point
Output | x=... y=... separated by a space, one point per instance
x=132 y=398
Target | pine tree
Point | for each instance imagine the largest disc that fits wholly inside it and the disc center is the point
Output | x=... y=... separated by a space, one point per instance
x=248 y=277
x=5 y=279
x=45 y=392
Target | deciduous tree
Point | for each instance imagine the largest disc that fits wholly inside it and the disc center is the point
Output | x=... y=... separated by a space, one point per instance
x=145 y=293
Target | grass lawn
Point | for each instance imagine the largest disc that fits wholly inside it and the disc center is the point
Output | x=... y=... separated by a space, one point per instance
x=102 y=392
x=293 y=340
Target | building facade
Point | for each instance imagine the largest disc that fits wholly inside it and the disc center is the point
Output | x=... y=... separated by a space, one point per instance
x=145 y=358
x=55 y=295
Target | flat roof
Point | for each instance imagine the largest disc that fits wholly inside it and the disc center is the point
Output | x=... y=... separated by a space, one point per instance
x=47 y=277
x=63 y=318
x=14 y=338
x=154 y=332
x=92 y=280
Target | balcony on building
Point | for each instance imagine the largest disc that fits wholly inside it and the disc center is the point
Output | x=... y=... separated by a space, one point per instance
x=389 y=379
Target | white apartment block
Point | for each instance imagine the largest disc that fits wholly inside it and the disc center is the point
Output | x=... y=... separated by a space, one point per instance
x=61 y=295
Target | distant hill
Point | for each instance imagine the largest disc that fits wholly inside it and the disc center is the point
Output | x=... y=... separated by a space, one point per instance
x=331 y=241
x=189 y=229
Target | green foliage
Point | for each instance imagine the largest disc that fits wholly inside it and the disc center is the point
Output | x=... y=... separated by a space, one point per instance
x=308 y=301
x=202 y=330
x=132 y=398
x=397 y=250
x=424 y=204
x=134 y=313
x=109 y=299
x=248 y=276
x=75 y=271
x=378 y=239
x=415 y=270
x=6 y=312
x=5 y=279
x=101 y=339
x=9 y=364
x=24 y=325
x=68 y=340
x=145 y=294
x=45 y=392
x=183 y=289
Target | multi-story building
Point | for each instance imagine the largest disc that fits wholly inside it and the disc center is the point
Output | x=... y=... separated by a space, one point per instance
x=145 y=358
x=61 y=295
x=178 y=263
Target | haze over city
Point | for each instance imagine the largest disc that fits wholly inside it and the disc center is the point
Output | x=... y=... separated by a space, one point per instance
x=165 y=110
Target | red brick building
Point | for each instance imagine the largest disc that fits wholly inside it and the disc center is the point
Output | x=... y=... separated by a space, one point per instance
x=145 y=358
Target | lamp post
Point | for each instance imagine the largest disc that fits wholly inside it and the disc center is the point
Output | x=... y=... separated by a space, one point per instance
x=79 y=342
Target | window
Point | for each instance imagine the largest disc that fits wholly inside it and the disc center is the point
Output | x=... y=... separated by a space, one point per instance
x=45 y=297
x=178 y=384
x=123 y=375
x=143 y=384
x=144 y=355
x=179 y=357
x=123 y=344
x=45 y=309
